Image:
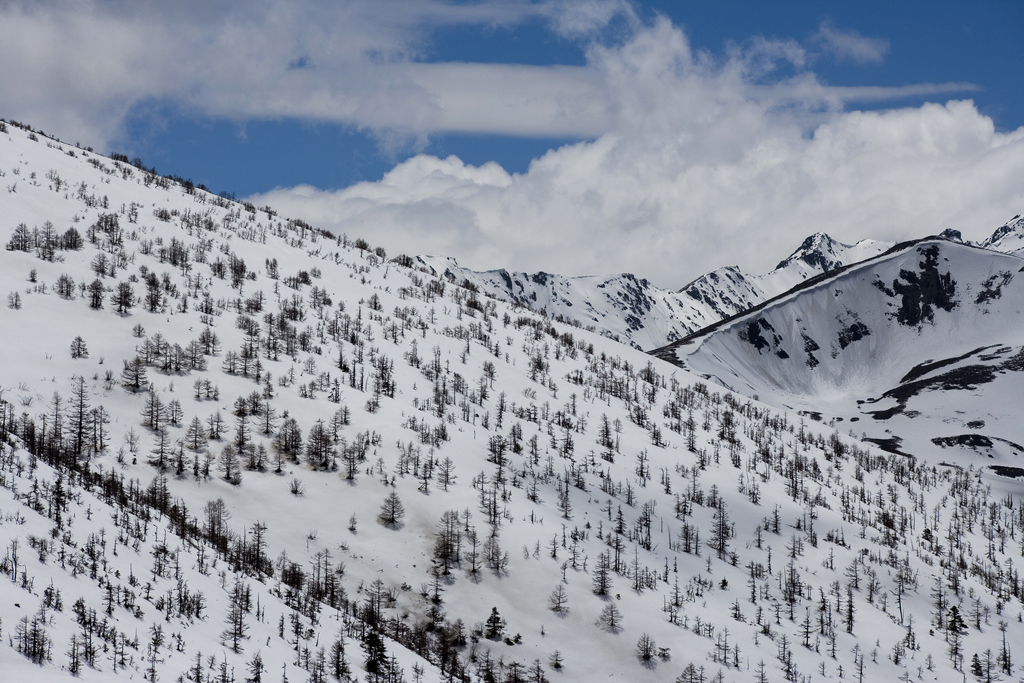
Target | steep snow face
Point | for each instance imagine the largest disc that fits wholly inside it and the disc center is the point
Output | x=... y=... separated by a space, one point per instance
x=1008 y=239
x=632 y=310
x=907 y=344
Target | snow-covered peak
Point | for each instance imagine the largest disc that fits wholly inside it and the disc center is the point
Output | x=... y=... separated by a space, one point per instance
x=818 y=251
x=1008 y=238
x=622 y=306
x=818 y=254
x=952 y=235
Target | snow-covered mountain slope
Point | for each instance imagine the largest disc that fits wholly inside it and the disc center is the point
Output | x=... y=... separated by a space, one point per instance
x=920 y=347
x=232 y=444
x=631 y=309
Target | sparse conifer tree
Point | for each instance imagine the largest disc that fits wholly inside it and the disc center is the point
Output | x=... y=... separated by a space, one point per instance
x=391 y=510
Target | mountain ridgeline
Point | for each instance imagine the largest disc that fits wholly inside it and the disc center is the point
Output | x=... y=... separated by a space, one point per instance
x=631 y=309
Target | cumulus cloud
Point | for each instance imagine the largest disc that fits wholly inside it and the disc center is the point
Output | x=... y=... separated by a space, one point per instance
x=699 y=167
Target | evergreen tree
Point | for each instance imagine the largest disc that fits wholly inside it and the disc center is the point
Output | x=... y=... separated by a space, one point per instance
x=133 y=376
x=559 y=599
x=123 y=298
x=494 y=626
x=241 y=441
x=339 y=664
x=376 y=656
x=161 y=450
x=78 y=416
x=78 y=348
x=955 y=629
x=227 y=462
x=256 y=669
x=96 y=293
x=195 y=436
x=720 y=530
x=289 y=439
x=237 y=628
x=611 y=617
x=391 y=510
x=646 y=648
x=153 y=411
x=603 y=575
x=448 y=543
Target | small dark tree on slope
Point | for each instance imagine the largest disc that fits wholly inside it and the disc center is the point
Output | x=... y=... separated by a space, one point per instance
x=494 y=626
x=78 y=348
x=611 y=618
x=720 y=530
x=123 y=298
x=133 y=376
x=645 y=648
x=391 y=511
x=559 y=599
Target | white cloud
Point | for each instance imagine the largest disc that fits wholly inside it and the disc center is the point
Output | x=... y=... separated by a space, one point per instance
x=847 y=45
x=697 y=169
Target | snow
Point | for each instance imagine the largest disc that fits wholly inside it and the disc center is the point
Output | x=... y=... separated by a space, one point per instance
x=559 y=381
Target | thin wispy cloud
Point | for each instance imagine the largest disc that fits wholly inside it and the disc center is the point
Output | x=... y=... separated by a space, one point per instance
x=847 y=45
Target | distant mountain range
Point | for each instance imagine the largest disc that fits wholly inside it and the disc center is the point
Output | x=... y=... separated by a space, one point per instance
x=629 y=308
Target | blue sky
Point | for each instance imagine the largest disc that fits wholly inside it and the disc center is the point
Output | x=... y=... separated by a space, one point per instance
x=593 y=136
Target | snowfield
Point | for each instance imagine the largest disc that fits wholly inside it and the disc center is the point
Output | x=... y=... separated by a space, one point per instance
x=233 y=447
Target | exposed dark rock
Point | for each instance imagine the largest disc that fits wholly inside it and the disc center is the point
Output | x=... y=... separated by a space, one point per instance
x=881 y=286
x=952 y=235
x=1007 y=471
x=891 y=445
x=924 y=368
x=1016 y=363
x=924 y=291
x=993 y=287
x=969 y=440
x=854 y=332
x=751 y=333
